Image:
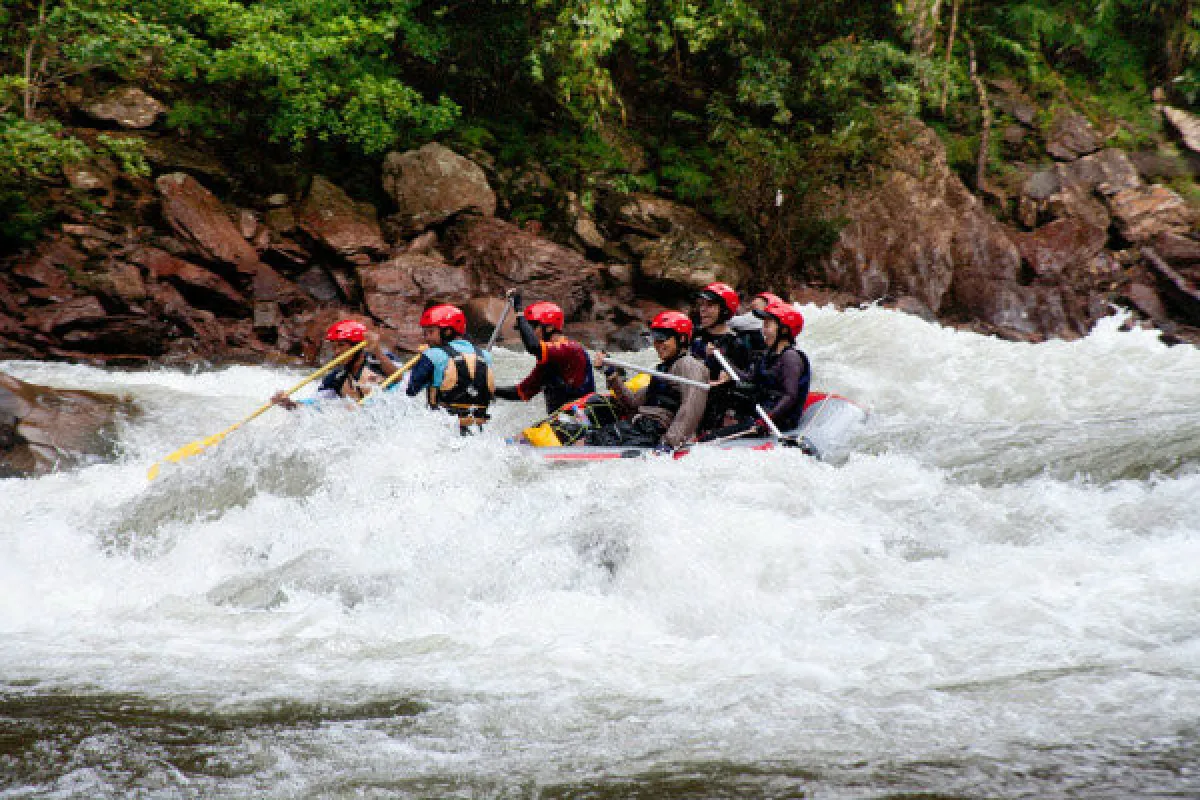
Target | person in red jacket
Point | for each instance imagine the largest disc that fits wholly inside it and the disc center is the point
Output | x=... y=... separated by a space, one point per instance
x=563 y=372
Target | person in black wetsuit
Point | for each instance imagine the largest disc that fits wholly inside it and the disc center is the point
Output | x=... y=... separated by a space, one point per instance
x=780 y=377
x=715 y=306
x=563 y=372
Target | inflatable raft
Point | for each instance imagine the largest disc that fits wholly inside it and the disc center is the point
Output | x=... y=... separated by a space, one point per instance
x=826 y=432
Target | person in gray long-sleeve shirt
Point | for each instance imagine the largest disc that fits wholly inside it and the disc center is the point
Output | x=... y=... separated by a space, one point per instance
x=675 y=409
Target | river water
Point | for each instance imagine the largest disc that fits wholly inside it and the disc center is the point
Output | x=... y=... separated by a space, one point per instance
x=997 y=594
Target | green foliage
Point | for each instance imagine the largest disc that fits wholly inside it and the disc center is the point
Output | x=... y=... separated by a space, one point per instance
x=20 y=219
x=311 y=71
x=128 y=151
x=48 y=42
x=34 y=151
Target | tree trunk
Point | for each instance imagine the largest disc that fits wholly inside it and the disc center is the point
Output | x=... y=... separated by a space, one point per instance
x=985 y=131
x=32 y=78
x=949 y=51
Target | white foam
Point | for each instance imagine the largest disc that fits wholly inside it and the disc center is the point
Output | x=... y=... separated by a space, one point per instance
x=984 y=572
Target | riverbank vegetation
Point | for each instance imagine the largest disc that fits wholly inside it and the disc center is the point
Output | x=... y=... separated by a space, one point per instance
x=743 y=108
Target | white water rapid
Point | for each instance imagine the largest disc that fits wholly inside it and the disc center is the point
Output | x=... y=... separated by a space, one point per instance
x=996 y=595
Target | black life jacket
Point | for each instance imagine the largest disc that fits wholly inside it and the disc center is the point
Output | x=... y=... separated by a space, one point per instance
x=739 y=347
x=467 y=384
x=768 y=380
x=662 y=393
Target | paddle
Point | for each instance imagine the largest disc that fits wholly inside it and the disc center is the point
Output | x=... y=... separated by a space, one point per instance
x=192 y=448
x=666 y=376
x=508 y=304
x=788 y=441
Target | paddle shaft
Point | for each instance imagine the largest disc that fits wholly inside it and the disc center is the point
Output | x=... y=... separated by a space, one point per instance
x=508 y=304
x=763 y=415
x=666 y=376
x=320 y=373
x=192 y=448
x=395 y=376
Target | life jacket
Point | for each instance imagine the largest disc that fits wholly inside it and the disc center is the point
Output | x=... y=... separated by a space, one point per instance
x=662 y=393
x=466 y=387
x=739 y=346
x=768 y=380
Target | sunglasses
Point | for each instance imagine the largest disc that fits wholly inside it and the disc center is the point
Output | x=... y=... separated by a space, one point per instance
x=660 y=336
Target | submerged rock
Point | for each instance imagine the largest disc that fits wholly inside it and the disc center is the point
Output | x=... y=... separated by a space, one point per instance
x=44 y=429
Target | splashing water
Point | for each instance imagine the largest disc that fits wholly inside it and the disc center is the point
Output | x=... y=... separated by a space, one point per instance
x=997 y=594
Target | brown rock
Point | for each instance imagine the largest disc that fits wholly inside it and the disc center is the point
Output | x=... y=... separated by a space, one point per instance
x=425 y=244
x=1071 y=136
x=397 y=290
x=582 y=224
x=281 y=220
x=1010 y=99
x=677 y=246
x=287 y=256
x=1014 y=135
x=91 y=177
x=1186 y=125
x=128 y=107
x=434 y=183
x=200 y=220
x=1180 y=294
x=1154 y=167
x=271 y=287
x=124 y=337
x=247 y=223
x=1054 y=247
x=619 y=274
x=347 y=228
x=316 y=281
x=1177 y=249
x=43 y=429
x=50 y=264
x=198 y=285
x=168 y=154
x=66 y=314
x=1076 y=189
x=918 y=232
x=501 y=255
x=1146 y=300
x=1144 y=212
x=117 y=280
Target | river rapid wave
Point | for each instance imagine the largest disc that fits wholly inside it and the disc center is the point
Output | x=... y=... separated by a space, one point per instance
x=996 y=594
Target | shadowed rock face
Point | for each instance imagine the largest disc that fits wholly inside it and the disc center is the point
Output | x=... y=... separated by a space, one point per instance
x=43 y=429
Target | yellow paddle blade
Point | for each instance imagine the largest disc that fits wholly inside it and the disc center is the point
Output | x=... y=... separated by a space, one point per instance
x=638 y=382
x=542 y=436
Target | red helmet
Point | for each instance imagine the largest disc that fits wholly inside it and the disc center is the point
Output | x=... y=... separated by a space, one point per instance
x=721 y=293
x=786 y=315
x=547 y=314
x=672 y=321
x=445 y=316
x=346 y=330
x=770 y=298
